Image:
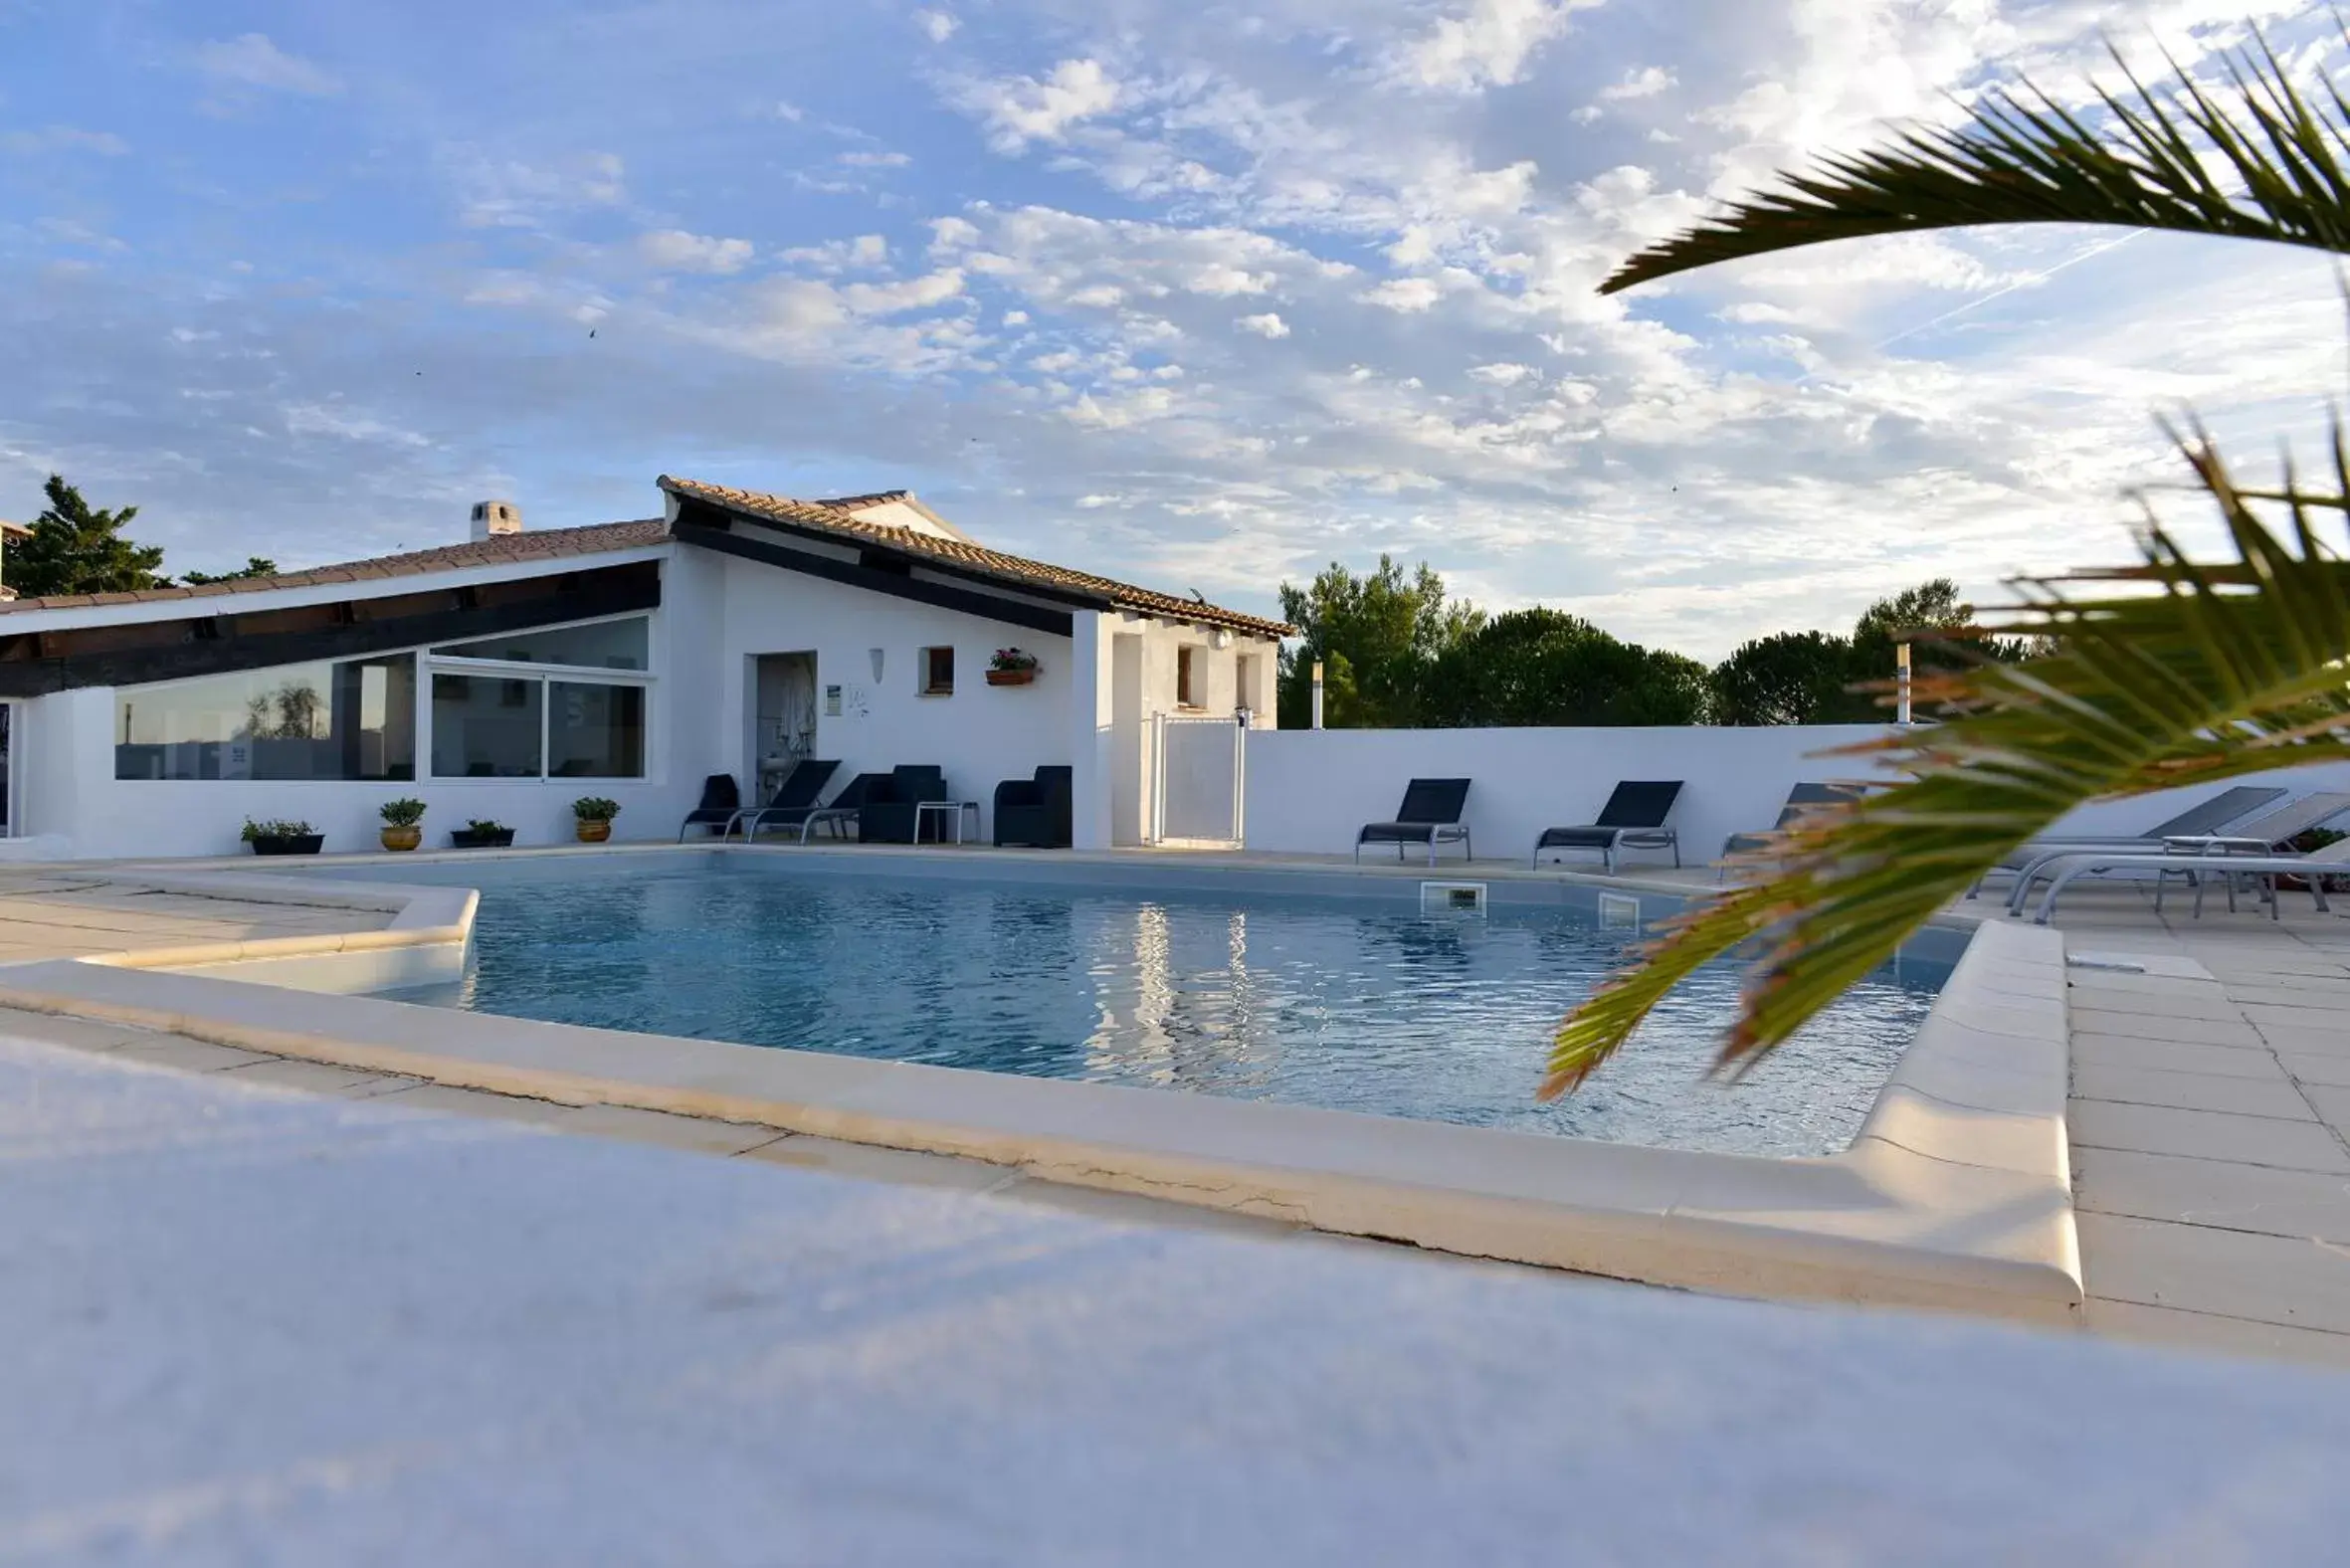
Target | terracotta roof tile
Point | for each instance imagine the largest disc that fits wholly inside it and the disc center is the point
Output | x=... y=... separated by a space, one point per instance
x=832 y=517
x=498 y=550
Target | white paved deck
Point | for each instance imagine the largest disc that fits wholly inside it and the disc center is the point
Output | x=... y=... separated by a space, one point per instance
x=258 y=1327
x=2210 y=1124
x=67 y=914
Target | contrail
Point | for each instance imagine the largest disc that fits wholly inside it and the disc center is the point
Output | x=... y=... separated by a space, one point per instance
x=2021 y=283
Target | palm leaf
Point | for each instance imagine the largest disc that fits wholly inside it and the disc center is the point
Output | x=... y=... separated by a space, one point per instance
x=2226 y=670
x=2270 y=165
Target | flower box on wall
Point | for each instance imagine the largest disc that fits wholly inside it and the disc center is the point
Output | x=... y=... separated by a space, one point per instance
x=1012 y=677
x=480 y=839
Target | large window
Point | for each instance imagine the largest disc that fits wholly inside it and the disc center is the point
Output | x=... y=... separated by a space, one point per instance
x=488 y=726
x=351 y=720
x=559 y=703
x=529 y=704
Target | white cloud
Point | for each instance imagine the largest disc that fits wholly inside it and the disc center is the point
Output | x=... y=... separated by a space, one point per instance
x=1023 y=109
x=252 y=60
x=1267 y=325
x=1647 y=82
x=937 y=26
x=1489 y=44
x=677 y=251
x=1407 y=295
x=876 y=160
x=1504 y=374
x=1016 y=318
x=911 y=293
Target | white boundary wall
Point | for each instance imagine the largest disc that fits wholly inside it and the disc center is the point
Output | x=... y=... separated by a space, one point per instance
x=1309 y=790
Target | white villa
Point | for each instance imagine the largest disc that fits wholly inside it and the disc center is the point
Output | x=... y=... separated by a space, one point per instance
x=504 y=677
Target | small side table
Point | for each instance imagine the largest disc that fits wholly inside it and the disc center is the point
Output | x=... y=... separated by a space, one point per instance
x=948 y=811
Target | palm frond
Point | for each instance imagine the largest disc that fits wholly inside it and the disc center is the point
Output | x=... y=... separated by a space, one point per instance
x=2226 y=670
x=2272 y=166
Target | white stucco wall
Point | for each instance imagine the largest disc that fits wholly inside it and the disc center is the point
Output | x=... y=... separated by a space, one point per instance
x=981 y=735
x=1309 y=790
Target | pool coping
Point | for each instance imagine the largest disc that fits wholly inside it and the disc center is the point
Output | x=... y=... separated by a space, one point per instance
x=1955 y=1194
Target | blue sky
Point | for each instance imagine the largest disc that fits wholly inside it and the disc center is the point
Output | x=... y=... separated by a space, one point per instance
x=1201 y=295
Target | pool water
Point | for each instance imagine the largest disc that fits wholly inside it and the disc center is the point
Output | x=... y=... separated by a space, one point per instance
x=1355 y=1004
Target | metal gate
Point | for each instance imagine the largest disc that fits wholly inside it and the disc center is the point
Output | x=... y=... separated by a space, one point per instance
x=1199 y=780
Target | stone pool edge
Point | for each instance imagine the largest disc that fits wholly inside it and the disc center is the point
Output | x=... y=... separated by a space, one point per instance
x=1954 y=1195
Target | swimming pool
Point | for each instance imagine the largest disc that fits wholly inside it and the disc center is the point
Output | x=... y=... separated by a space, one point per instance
x=1356 y=1003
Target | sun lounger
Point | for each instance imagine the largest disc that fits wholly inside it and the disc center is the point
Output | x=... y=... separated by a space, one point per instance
x=2229 y=805
x=1429 y=815
x=721 y=798
x=792 y=800
x=2201 y=868
x=1633 y=819
x=1801 y=802
x=2263 y=833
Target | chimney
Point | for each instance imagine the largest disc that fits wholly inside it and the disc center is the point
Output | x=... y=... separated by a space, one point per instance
x=491 y=518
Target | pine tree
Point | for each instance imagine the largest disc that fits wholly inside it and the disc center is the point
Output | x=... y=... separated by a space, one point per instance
x=75 y=549
x=254 y=566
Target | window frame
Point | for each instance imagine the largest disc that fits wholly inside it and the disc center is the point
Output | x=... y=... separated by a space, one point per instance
x=1187 y=677
x=925 y=661
x=427 y=664
x=432 y=664
x=385 y=656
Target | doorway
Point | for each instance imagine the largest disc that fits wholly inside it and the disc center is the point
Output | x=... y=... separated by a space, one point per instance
x=783 y=718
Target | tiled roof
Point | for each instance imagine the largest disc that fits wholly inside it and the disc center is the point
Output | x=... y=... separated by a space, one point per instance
x=497 y=550
x=1018 y=571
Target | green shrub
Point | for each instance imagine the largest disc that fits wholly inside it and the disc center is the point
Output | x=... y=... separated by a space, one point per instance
x=403 y=813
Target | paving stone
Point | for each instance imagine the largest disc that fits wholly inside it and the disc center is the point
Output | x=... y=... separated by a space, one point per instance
x=2235 y=1273
x=2214 y=1193
x=473 y=1102
x=1135 y=1209
x=2207 y=1134
x=653 y=1126
x=2147 y=1026
x=79 y=1034
x=2170 y=1056
x=188 y=1055
x=2244 y=1097
x=2206 y=1334
x=314 y=1077
x=871 y=1162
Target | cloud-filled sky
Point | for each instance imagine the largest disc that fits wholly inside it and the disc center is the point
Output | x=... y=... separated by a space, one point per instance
x=1200 y=294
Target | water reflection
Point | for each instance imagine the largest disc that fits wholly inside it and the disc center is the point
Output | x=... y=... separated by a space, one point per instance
x=1358 y=1007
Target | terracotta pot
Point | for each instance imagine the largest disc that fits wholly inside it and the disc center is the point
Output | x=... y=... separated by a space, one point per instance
x=594 y=832
x=407 y=838
x=1011 y=677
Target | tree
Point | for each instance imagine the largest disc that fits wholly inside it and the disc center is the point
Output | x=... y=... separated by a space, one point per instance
x=2211 y=676
x=1793 y=678
x=77 y=549
x=1387 y=630
x=254 y=566
x=1544 y=667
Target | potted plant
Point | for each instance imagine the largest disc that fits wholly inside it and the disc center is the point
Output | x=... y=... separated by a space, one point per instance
x=1011 y=667
x=282 y=838
x=594 y=816
x=402 y=821
x=482 y=832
